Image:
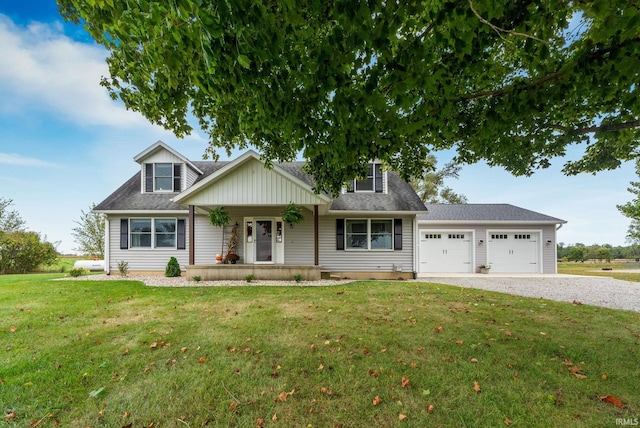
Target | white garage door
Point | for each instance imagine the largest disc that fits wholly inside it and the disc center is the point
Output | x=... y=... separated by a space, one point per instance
x=514 y=252
x=445 y=251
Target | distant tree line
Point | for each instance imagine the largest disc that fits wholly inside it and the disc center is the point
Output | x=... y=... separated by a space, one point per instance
x=579 y=252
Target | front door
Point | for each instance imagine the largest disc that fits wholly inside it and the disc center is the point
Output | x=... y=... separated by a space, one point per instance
x=264 y=241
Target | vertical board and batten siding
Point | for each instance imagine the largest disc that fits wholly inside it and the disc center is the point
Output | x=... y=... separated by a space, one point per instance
x=549 y=262
x=143 y=259
x=252 y=184
x=365 y=261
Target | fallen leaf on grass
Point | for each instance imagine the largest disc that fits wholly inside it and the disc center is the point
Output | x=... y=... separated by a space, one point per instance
x=377 y=400
x=476 y=386
x=326 y=391
x=9 y=416
x=402 y=417
x=233 y=406
x=507 y=421
x=404 y=382
x=283 y=395
x=430 y=408
x=201 y=360
x=612 y=400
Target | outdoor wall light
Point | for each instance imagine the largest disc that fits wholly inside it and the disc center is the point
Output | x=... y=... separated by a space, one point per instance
x=549 y=241
x=481 y=241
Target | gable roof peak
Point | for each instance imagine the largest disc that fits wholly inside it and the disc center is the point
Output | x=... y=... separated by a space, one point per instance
x=161 y=145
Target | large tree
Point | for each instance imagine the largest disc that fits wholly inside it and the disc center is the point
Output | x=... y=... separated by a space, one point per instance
x=89 y=233
x=512 y=82
x=430 y=184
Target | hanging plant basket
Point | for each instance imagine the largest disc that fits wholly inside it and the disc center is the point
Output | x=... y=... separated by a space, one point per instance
x=292 y=214
x=219 y=217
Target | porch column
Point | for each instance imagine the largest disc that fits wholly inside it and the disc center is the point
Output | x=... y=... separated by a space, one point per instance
x=192 y=234
x=316 y=259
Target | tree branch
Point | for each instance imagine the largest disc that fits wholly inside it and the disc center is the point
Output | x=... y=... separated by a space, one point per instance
x=596 y=128
x=502 y=30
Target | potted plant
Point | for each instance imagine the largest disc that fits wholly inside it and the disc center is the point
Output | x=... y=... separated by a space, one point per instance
x=484 y=268
x=219 y=218
x=292 y=214
x=232 y=258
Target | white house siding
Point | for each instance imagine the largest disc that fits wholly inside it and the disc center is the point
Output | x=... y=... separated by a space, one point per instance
x=251 y=184
x=548 y=233
x=298 y=241
x=191 y=177
x=365 y=261
x=143 y=259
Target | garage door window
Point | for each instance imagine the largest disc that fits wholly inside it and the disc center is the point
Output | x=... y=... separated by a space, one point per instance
x=456 y=236
x=432 y=236
x=499 y=236
x=522 y=236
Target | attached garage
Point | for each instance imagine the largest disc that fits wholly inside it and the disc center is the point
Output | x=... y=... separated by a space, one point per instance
x=460 y=238
x=514 y=251
x=446 y=251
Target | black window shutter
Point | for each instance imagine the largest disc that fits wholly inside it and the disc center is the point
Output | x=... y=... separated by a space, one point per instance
x=378 y=178
x=124 y=233
x=148 y=177
x=397 y=234
x=181 y=234
x=176 y=177
x=339 y=234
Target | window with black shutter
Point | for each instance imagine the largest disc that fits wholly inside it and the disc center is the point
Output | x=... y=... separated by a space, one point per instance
x=148 y=177
x=397 y=234
x=340 y=234
x=124 y=233
x=177 y=177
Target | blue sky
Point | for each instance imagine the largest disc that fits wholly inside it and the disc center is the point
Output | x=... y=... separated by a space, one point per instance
x=64 y=144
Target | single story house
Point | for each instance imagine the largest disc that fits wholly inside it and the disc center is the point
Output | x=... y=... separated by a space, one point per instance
x=377 y=228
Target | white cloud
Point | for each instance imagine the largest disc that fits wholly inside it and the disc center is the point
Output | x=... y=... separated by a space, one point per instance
x=42 y=69
x=19 y=160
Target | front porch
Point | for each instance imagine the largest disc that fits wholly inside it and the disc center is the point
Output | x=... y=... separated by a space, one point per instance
x=235 y=272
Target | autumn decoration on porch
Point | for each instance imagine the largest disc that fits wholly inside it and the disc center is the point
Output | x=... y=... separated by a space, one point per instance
x=232 y=257
x=292 y=214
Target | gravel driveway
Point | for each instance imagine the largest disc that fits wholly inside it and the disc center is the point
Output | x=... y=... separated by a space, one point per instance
x=589 y=290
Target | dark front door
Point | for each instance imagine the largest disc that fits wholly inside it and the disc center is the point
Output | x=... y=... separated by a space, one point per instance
x=264 y=241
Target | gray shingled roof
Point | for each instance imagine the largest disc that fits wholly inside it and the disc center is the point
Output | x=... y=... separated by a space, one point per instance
x=401 y=196
x=128 y=197
x=484 y=213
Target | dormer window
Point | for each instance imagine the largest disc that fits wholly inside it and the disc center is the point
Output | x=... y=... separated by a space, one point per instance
x=373 y=182
x=163 y=177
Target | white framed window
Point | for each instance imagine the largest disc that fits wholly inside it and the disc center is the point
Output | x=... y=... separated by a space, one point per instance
x=369 y=234
x=163 y=177
x=152 y=233
x=374 y=181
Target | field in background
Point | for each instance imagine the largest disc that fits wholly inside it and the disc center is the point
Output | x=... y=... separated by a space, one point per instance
x=593 y=268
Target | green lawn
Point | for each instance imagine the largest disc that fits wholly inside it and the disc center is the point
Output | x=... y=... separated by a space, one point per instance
x=115 y=353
